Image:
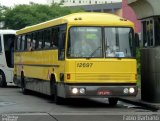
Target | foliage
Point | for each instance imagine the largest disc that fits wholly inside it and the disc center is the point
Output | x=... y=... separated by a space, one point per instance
x=25 y=15
x=138 y=55
x=2 y=12
x=138 y=60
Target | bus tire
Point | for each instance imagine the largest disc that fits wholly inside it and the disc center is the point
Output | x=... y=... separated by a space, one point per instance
x=23 y=85
x=113 y=101
x=3 y=82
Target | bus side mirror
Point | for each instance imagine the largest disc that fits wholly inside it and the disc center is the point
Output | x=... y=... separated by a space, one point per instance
x=137 y=41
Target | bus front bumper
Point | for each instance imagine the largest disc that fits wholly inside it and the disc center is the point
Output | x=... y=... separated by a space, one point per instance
x=83 y=91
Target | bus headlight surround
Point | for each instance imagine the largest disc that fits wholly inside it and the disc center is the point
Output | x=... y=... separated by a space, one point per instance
x=74 y=90
x=131 y=90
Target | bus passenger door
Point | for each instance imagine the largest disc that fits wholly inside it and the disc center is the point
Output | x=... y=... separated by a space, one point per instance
x=9 y=49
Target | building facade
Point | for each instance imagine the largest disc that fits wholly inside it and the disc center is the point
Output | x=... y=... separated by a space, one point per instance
x=106 y=8
x=148 y=11
x=82 y=2
x=128 y=13
x=118 y=7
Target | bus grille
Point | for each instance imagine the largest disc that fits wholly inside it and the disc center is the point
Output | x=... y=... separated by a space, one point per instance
x=109 y=77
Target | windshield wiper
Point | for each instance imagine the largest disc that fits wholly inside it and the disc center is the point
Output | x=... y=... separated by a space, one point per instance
x=94 y=52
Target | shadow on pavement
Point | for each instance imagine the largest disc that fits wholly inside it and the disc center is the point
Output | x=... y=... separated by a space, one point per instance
x=74 y=102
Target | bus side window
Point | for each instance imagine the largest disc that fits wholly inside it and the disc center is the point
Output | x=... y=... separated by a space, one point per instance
x=33 y=42
x=43 y=39
x=36 y=39
x=15 y=44
x=61 y=42
x=18 y=43
x=47 y=42
x=54 y=38
x=28 y=42
x=23 y=43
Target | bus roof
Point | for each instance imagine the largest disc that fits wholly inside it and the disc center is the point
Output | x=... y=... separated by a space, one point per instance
x=81 y=19
x=7 y=31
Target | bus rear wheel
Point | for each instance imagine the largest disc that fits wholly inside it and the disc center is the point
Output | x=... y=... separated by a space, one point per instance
x=113 y=101
x=2 y=80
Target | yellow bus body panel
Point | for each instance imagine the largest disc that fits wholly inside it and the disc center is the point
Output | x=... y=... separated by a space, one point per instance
x=38 y=64
x=102 y=71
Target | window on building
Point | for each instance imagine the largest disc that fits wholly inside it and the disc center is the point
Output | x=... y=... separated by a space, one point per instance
x=148 y=33
x=79 y=1
x=157 y=31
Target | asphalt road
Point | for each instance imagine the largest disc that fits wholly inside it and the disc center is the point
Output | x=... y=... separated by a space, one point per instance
x=14 y=106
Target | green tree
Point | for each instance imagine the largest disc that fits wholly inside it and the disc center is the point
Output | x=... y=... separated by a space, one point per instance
x=2 y=12
x=25 y=15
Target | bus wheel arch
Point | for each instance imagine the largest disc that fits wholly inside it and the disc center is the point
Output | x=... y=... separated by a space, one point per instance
x=3 y=82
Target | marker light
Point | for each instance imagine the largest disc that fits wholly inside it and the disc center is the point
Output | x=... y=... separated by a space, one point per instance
x=131 y=90
x=74 y=90
x=68 y=76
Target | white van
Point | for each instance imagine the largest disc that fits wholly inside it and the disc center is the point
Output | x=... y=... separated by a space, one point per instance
x=7 y=38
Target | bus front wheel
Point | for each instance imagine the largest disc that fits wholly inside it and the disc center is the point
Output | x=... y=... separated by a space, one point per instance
x=2 y=80
x=113 y=101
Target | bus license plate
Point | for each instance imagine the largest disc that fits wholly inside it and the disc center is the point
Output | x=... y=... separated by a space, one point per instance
x=103 y=92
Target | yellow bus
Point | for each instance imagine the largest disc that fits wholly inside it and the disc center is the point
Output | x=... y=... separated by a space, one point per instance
x=81 y=55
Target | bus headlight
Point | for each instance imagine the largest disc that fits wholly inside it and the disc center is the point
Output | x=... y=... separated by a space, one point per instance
x=82 y=91
x=74 y=90
x=125 y=91
x=131 y=90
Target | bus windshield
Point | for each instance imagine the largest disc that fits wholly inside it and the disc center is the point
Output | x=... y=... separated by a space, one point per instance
x=118 y=42
x=84 y=41
x=87 y=42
